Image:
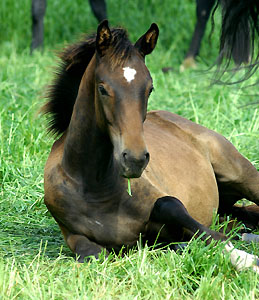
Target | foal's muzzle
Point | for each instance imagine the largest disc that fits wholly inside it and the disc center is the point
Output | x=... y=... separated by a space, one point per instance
x=132 y=165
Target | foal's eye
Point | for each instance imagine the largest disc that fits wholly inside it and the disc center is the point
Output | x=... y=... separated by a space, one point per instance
x=102 y=90
x=151 y=90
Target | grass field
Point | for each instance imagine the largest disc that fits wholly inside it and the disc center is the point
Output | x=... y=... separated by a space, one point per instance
x=35 y=263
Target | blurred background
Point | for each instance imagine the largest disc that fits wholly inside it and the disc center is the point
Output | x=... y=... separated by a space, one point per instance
x=65 y=21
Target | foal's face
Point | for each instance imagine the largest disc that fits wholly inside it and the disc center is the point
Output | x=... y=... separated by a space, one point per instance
x=122 y=91
x=122 y=94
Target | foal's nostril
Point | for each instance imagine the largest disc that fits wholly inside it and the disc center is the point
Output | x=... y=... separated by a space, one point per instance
x=147 y=156
x=143 y=158
x=125 y=154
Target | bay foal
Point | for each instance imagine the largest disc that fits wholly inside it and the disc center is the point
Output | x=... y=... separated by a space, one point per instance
x=180 y=172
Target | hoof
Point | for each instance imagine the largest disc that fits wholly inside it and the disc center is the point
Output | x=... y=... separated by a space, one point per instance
x=242 y=260
x=249 y=237
x=188 y=63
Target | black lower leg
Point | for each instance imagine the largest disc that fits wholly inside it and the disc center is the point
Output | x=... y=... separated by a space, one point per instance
x=170 y=211
x=203 y=10
x=248 y=215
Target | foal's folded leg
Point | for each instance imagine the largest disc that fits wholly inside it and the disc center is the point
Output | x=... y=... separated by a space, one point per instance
x=170 y=211
x=81 y=245
x=248 y=215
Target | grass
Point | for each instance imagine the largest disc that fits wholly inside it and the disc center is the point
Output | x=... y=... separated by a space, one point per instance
x=35 y=263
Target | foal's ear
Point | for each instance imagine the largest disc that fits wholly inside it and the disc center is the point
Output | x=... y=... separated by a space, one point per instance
x=103 y=37
x=147 y=42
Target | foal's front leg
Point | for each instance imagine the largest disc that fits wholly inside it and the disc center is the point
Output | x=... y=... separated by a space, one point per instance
x=171 y=212
x=81 y=245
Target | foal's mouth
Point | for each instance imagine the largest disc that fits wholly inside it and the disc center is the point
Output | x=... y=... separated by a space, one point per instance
x=132 y=175
x=133 y=170
x=132 y=165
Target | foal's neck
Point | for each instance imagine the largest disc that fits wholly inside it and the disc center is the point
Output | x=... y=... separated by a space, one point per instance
x=87 y=150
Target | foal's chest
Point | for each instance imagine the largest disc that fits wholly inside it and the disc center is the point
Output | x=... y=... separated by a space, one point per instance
x=112 y=224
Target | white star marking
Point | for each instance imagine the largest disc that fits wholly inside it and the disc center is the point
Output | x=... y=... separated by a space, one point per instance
x=129 y=73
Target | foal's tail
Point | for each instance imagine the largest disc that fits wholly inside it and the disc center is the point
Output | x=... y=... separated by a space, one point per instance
x=239 y=33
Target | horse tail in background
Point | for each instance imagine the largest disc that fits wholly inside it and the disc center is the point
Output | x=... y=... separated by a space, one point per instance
x=239 y=32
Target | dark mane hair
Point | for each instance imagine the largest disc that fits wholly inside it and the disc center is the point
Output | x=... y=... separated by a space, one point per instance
x=74 y=60
x=239 y=33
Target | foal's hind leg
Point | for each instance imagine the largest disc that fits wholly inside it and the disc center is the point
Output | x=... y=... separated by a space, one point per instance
x=249 y=215
x=237 y=178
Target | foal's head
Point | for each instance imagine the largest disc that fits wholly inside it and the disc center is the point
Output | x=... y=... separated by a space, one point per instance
x=123 y=85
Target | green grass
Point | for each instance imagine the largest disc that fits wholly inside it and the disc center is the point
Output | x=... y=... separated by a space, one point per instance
x=35 y=263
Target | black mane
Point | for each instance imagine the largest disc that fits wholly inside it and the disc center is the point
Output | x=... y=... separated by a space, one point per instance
x=75 y=58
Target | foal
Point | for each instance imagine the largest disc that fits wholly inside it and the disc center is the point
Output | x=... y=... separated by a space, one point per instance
x=180 y=172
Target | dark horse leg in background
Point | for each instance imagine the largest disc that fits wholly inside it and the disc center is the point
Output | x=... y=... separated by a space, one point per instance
x=203 y=10
x=238 y=43
x=99 y=9
x=38 y=10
